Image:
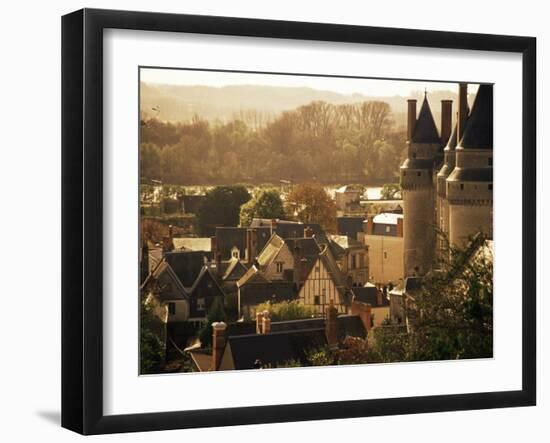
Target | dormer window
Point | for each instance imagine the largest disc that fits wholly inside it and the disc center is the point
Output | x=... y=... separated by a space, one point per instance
x=235 y=253
x=201 y=304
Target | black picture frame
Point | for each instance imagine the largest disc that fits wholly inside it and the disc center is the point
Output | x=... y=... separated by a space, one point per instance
x=82 y=218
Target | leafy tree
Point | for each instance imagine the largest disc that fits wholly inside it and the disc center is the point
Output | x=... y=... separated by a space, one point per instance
x=151 y=347
x=216 y=313
x=451 y=317
x=310 y=203
x=266 y=203
x=286 y=310
x=221 y=207
x=390 y=191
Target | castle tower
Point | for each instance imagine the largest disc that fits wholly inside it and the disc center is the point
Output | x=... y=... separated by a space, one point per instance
x=417 y=182
x=470 y=185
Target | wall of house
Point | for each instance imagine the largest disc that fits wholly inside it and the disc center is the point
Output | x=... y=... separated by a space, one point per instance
x=285 y=256
x=387 y=267
x=181 y=311
x=226 y=363
x=320 y=283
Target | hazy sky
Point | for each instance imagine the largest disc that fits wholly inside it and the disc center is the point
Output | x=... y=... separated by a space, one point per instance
x=368 y=87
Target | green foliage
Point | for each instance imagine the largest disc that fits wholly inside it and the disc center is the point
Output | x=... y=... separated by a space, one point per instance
x=319 y=141
x=310 y=203
x=216 y=313
x=266 y=203
x=321 y=357
x=292 y=363
x=221 y=207
x=151 y=347
x=452 y=316
x=286 y=310
x=391 y=191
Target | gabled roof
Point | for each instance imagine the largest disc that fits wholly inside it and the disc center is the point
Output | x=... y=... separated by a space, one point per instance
x=235 y=270
x=205 y=273
x=163 y=268
x=329 y=261
x=341 y=243
x=275 y=348
x=425 y=130
x=478 y=133
x=186 y=264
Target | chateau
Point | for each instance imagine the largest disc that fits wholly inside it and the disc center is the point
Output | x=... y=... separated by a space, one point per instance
x=447 y=178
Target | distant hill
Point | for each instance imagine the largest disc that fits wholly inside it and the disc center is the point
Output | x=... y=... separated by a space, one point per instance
x=261 y=103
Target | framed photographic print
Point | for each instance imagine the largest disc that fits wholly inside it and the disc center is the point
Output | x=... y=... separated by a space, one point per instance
x=270 y=221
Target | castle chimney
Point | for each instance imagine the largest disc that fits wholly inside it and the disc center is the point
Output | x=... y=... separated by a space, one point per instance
x=308 y=232
x=218 y=343
x=266 y=323
x=446 y=120
x=411 y=118
x=259 y=322
x=462 y=110
x=332 y=325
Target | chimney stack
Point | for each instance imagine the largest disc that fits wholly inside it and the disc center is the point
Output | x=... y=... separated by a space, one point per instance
x=379 y=297
x=399 y=227
x=266 y=323
x=446 y=120
x=411 y=118
x=332 y=325
x=259 y=322
x=363 y=310
x=218 y=343
x=251 y=245
x=462 y=110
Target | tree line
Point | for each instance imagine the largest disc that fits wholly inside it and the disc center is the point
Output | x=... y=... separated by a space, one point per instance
x=320 y=141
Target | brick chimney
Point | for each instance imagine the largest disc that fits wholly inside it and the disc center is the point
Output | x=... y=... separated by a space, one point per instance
x=266 y=323
x=218 y=343
x=399 y=229
x=259 y=322
x=167 y=240
x=251 y=245
x=446 y=120
x=363 y=310
x=332 y=325
x=462 y=110
x=370 y=225
x=308 y=232
x=411 y=118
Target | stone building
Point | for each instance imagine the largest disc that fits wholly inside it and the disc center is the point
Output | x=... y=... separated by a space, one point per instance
x=447 y=178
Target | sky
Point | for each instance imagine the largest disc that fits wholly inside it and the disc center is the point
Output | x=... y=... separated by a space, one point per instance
x=348 y=86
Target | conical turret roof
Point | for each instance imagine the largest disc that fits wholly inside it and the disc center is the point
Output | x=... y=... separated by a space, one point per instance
x=425 y=130
x=478 y=133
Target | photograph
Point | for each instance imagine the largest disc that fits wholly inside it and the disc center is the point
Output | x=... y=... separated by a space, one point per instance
x=296 y=220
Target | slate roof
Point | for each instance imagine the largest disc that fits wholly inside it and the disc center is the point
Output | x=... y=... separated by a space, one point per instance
x=418 y=163
x=186 y=264
x=451 y=143
x=290 y=229
x=275 y=348
x=228 y=237
x=252 y=294
x=478 y=133
x=425 y=130
x=349 y=226
x=368 y=294
x=235 y=270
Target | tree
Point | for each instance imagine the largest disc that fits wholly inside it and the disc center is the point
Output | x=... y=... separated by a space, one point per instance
x=390 y=191
x=221 y=207
x=310 y=203
x=216 y=313
x=451 y=317
x=151 y=347
x=266 y=203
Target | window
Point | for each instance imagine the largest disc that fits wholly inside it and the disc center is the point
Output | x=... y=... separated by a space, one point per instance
x=317 y=269
x=462 y=186
x=171 y=308
x=387 y=229
x=490 y=187
x=419 y=173
x=385 y=255
x=235 y=253
x=353 y=261
x=317 y=300
x=200 y=304
x=279 y=265
x=414 y=154
x=490 y=161
x=404 y=173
